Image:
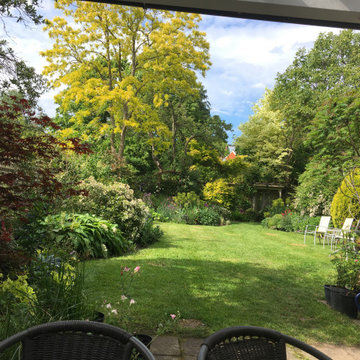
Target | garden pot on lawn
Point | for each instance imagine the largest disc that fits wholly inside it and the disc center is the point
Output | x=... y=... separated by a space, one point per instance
x=342 y=300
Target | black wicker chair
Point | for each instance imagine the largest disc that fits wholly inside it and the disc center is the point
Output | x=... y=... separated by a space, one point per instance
x=251 y=343
x=75 y=340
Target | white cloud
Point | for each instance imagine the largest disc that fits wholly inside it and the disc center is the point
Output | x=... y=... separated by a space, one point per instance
x=246 y=57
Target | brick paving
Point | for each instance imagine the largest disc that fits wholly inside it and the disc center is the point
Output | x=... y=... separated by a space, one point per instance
x=174 y=348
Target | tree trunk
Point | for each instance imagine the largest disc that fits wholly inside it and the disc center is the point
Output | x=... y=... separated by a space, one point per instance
x=174 y=130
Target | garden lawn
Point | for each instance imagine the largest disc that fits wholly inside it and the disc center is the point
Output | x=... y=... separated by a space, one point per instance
x=241 y=274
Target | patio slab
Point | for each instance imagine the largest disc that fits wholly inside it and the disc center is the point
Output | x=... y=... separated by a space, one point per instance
x=166 y=346
x=174 y=348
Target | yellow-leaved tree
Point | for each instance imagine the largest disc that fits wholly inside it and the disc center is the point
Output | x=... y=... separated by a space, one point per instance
x=118 y=65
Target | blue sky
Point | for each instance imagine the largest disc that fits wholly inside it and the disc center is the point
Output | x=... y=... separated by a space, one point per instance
x=246 y=55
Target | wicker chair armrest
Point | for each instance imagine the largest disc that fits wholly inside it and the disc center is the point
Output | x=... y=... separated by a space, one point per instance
x=249 y=331
x=305 y=347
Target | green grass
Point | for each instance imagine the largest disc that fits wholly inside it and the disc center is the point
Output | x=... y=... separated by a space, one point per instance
x=240 y=274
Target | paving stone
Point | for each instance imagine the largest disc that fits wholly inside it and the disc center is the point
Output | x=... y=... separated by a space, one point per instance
x=188 y=357
x=166 y=357
x=191 y=346
x=173 y=348
x=166 y=345
x=340 y=352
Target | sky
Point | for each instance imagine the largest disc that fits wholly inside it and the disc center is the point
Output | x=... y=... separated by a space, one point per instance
x=246 y=56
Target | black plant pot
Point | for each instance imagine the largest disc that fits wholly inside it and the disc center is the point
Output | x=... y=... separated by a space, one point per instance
x=342 y=300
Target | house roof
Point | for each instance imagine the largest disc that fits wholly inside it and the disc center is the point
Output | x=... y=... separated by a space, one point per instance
x=231 y=156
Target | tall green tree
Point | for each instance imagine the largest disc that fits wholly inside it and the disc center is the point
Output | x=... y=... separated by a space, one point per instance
x=334 y=137
x=265 y=142
x=330 y=68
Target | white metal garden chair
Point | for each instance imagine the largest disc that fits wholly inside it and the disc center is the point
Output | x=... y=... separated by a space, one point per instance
x=337 y=235
x=318 y=230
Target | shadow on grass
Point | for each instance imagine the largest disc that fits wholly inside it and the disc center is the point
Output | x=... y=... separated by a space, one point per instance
x=226 y=293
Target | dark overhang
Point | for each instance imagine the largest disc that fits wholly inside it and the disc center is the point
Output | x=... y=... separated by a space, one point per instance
x=333 y=13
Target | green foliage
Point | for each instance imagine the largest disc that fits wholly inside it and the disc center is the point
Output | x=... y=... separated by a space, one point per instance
x=347 y=264
x=202 y=214
x=248 y=215
x=205 y=215
x=88 y=235
x=220 y=192
x=346 y=201
x=50 y=289
x=317 y=185
x=189 y=199
x=264 y=141
x=277 y=207
x=289 y=221
x=206 y=165
x=116 y=203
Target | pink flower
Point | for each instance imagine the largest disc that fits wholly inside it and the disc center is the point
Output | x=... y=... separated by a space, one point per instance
x=132 y=301
x=123 y=297
x=173 y=316
x=137 y=269
x=126 y=269
x=114 y=311
x=356 y=260
x=108 y=306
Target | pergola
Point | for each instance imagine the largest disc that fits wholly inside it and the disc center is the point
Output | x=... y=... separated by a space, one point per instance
x=334 y=13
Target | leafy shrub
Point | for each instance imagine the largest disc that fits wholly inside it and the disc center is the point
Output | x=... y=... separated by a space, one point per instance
x=275 y=222
x=116 y=203
x=220 y=192
x=346 y=202
x=49 y=289
x=150 y=233
x=288 y=221
x=277 y=207
x=299 y=222
x=347 y=264
x=246 y=215
x=88 y=235
x=189 y=199
x=168 y=211
x=202 y=216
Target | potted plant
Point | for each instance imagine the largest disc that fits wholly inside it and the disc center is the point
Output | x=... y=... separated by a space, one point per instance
x=341 y=296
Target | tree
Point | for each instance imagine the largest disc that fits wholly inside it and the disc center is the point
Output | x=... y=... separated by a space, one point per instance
x=27 y=151
x=125 y=63
x=14 y=73
x=24 y=11
x=264 y=141
x=333 y=135
x=328 y=69
x=316 y=146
